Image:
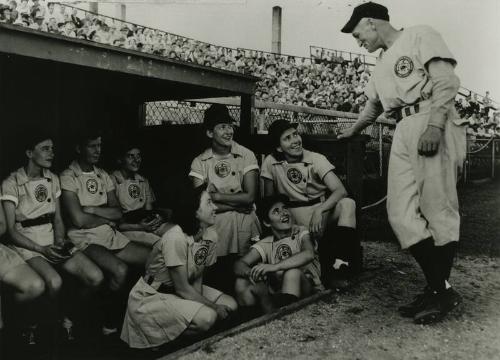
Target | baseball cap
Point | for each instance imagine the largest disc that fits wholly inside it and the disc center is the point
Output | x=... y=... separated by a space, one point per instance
x=277 y=128
x=217 y=114
x=367 y=10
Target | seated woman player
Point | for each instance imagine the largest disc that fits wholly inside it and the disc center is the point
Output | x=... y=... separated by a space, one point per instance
x=280 y=268
x=141 y=222
x=88 y=194
x=171 y=300
x=30 y=198
x=24 y=284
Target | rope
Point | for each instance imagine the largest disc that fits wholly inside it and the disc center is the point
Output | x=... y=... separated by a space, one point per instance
x=482 y=147
x=366 y=207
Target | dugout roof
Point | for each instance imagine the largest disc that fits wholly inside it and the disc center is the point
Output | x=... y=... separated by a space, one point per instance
x=158 y=78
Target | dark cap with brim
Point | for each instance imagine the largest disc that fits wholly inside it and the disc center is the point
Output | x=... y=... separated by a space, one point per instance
x=217 y=114
x=367 y=10
x=277 y=128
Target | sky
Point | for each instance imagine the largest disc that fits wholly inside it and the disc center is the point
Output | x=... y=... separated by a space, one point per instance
x=470 y=27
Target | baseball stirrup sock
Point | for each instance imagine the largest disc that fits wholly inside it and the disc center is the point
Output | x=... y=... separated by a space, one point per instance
x=446 y=256
x=425 y=255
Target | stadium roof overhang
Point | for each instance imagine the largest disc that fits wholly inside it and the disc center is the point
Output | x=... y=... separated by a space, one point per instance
x=150 y=77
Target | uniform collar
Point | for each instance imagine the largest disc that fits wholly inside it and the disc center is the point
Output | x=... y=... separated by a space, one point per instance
x=78 y=170
x=236 y=150
x=307 y=158
x=22 y=177
x=120 y=178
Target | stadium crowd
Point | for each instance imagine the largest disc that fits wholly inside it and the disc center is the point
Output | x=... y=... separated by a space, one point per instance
x=335 y=84
x=325 y=81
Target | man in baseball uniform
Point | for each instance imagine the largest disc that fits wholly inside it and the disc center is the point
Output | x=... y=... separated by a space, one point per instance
x=317 y=200
x=231 y=172
x=415 y=83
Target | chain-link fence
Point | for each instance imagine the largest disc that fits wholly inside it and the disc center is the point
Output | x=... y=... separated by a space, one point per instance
x=311 y=122
x=483 y=159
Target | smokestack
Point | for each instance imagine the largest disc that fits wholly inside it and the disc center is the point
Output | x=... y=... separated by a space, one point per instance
x=121 y=11
x=276 y=41
x=94 y=7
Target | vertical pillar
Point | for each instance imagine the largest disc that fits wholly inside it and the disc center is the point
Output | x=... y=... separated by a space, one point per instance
x=246 y=116
x=354 y=167
x=276 y=30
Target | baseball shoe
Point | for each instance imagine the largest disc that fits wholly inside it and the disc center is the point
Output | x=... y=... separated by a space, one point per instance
x=67 y=330
x=417 y=305
x=438 y=307
x=340 y=278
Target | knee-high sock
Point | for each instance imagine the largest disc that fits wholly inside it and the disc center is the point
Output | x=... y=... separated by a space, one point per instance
x=425 y=254
x=446 y=256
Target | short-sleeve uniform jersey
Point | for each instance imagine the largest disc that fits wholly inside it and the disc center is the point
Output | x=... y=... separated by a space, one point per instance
x=421 y=199
x=33 y=199
x=300 y=182
x=155 y=314
x=273 y=251
x=134 y=194
x=91 y=189
x=226 y=174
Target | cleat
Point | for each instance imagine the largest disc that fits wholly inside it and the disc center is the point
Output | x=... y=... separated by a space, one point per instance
x=417 y=305
x=438 y=307
x=67 y=330
x=29 y=336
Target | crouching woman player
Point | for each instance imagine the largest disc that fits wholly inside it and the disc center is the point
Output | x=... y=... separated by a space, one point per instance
x=282 y=267
x=171 y=300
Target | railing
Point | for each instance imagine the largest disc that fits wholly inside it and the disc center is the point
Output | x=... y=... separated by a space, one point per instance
x=346 y=55
x=251 y=52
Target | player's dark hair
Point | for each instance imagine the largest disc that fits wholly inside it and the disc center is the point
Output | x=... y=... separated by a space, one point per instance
x=185 y=208
x=34 y=136
x=84 y=137
x=265 y=204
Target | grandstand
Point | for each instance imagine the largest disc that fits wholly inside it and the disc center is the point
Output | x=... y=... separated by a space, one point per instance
x=128 y=78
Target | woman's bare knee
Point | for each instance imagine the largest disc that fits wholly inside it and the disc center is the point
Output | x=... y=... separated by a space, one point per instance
x=204 y=319
x=292 y=275
x=228 y=301
x=118 y=275
x=31 y=288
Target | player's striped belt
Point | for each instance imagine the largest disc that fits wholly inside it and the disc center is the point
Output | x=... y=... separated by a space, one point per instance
x=297 y=204
x=41 y=220
x=406 y=111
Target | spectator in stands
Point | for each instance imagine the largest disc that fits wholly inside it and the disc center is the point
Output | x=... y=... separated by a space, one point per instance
x=14 y=14
x=30 y=197
x=24 y=7
x=284 y=263
x=231 y=173
x=171 y=299
x=88 y=195
x=487 y=104
x=141 y=222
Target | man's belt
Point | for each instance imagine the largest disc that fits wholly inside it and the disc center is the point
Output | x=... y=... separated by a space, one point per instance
x=41 y=220
x=405 y=111
x=297 y=204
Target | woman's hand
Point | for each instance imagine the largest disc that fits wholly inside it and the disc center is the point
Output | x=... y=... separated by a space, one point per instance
x=152 y=225
x=222 y=311
x=316 y=223
x=53 y=254
x=259 y=271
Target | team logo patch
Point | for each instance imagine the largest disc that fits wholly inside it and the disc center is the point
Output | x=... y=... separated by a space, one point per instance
x=92 y=186
x=294 y=175
x=201 y=255
x=41 y=193
x=283 y=252
x=403 y=67
x=134 y=191
x=222 y=169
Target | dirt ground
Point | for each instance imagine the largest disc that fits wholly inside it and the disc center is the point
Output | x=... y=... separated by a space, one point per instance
x=364 y=323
